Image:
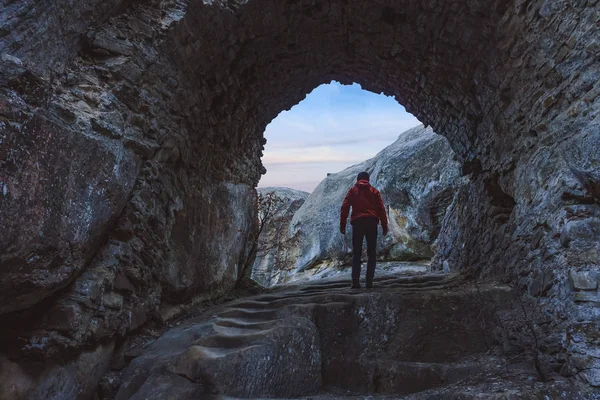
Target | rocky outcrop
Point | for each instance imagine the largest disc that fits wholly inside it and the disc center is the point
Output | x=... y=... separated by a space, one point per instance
x=105 y=223
x=275 y=246
x=61 y=194
x=416 y=175
x=59 y=379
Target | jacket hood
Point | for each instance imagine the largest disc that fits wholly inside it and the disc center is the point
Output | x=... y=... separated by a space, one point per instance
x=363 y=184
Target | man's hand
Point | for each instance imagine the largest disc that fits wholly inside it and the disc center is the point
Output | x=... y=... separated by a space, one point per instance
x=342 y=230
x=385 y=230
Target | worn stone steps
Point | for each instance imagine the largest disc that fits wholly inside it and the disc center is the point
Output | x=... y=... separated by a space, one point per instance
x=411 y=334
x=341 y=289
x=231 y=339
x=384 y=281
x=493 y=389
x=240 y=323
x=248 y=313
x=218 y=352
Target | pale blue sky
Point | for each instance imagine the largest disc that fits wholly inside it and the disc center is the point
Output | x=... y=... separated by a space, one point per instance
x=334 y=127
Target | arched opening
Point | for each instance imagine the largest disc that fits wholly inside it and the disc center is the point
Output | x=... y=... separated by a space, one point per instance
x=320 y=145
x=302 y=45
x=333 y=127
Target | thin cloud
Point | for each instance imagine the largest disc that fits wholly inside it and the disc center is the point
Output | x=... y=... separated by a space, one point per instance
x=334 y=142
x=354 y=130
x=307 y=159
x=278 y=164
x=334 y=127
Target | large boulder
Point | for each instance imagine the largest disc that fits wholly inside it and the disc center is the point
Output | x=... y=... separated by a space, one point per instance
x=416 y=175
x=61 y=191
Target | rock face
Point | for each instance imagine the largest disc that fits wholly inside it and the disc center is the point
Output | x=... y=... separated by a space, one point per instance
x=62 y=192
x=105 y=224
x=59 y=380
x=175 y=95
x=275 y=246
x=416 y=175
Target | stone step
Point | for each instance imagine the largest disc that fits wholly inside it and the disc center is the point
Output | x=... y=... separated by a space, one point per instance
x=231 y=339
x=510 y=386
x=387 y=281
x=232 y=331
x=385 y=376
x=241 y=323
x=412 y=334
x=252 y=304
x=249 y=314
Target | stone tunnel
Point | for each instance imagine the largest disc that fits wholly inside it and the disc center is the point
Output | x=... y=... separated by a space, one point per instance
x=131 y=133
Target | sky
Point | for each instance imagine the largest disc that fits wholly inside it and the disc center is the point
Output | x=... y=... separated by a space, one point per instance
x=334 y=127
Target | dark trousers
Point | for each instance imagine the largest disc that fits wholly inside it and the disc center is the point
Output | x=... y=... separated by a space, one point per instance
x=361 y=228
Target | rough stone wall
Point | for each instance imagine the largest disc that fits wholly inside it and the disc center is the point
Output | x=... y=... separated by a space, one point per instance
x=253 y=60
x=48 y=35
x=110 y=218
x=531 y=213
x=177 y=95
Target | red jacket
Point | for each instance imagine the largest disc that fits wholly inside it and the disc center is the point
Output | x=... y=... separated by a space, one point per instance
x=365 y=201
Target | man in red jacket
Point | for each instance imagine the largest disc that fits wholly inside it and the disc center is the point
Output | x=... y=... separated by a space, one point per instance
x=367 y=210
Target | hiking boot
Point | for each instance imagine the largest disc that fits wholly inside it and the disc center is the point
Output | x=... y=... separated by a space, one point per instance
x=355 y=284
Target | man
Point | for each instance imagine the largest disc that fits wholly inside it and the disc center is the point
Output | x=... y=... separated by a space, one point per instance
x=367 y=210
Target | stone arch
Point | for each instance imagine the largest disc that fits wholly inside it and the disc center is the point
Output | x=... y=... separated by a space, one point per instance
x=258 y=58
x=175 y=95
x=470 y=70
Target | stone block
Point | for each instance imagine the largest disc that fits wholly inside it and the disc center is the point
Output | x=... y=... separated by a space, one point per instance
x=592 y=376
x=106 y=128
x=122 y=283
x=137 y=318
x=133 y=353
x=541 y=282
x=118 y=361
x=109 y=42
x=63 y=318
x=584 y=280
x=112 y=300
x=586 y=297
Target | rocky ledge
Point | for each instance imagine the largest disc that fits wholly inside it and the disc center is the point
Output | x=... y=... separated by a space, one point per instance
x=430 y=335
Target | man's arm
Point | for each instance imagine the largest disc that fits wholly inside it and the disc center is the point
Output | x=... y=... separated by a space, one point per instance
x=345 y=211
x=381 y=213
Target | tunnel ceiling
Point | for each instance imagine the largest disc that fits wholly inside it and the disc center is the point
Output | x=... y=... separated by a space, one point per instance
x=251 y=60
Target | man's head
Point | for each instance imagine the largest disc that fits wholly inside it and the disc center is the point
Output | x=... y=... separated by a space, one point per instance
x=363 y=176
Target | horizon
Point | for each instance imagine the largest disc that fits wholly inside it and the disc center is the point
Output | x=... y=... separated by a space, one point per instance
x=331 y=122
